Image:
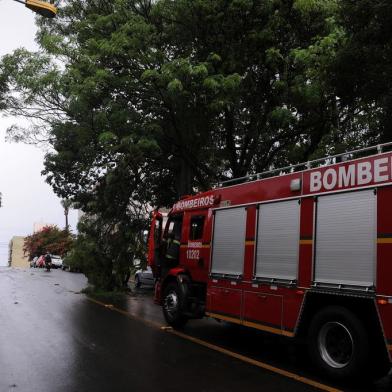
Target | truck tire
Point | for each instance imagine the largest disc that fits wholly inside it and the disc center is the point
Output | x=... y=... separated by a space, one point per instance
x=173 y=305
x=339 y=343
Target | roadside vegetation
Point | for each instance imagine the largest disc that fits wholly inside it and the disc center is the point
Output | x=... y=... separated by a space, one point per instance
x=103 y=252
x=140 y=102
x=50 y=239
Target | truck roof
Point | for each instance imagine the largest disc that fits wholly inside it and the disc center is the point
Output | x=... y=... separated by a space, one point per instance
x=367 y=167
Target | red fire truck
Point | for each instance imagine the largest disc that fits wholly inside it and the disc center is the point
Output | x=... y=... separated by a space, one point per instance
x=303 y=251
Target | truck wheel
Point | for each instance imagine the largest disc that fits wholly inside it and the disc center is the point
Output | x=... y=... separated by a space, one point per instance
x=338 y=343
x=173 y=305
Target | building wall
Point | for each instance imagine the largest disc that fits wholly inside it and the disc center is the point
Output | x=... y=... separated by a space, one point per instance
x=17 y=257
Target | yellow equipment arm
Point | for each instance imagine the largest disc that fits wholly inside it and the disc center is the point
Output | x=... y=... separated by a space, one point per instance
x=42 y=7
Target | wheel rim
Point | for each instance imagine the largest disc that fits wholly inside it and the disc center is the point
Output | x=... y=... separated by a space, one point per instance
x=171 y=304
x=336 y=344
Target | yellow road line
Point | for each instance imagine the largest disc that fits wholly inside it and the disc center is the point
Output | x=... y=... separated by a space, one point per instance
x=125 y=313
x=254 y=362
x=221 y=350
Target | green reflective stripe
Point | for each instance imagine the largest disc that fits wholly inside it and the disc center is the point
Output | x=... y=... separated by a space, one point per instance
x=176 y=242
x=170 y=257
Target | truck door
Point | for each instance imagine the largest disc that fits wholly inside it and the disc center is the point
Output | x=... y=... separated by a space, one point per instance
x=196 y=247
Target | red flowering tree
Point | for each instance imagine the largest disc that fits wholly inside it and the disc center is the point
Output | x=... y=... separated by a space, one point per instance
x=50 y=239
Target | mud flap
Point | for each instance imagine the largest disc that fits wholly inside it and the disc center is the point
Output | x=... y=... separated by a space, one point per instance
x=184 y=283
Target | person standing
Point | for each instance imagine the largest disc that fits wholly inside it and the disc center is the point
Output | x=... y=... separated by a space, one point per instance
x=48 y=261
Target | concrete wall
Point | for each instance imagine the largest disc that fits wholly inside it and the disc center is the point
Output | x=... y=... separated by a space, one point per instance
x=17 y=257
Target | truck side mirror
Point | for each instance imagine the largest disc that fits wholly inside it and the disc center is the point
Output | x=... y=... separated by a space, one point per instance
x=154 y=239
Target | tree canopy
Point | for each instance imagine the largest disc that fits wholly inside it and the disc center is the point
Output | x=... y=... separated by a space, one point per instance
x=174 y=96
x=363 y=66
x=50 y=239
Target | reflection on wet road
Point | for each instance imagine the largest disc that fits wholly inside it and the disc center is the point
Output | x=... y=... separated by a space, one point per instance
x=54 y=339
x=277 y=351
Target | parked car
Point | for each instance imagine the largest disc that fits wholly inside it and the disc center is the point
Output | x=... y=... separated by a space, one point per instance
x=144 y=277
x=67 y=266
x=40 y=263
x=57 y=261
x=33 y=263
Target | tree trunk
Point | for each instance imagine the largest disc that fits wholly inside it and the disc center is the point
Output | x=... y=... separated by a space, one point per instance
x=184 y=179
x=66 y=219
x=386 y=121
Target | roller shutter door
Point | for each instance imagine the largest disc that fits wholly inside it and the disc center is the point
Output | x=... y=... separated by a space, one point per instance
x=278 y=240
x=346 y=238
x=229 y=241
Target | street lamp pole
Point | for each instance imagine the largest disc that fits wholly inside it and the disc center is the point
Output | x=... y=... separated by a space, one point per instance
x=43 y=8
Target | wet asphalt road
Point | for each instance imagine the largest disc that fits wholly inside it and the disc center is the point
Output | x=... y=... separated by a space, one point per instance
x=52 y=338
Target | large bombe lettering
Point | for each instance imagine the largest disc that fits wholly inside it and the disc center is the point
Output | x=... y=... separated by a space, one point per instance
x=355 y=174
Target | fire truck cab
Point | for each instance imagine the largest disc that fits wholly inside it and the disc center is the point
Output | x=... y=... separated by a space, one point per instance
x=303 y=251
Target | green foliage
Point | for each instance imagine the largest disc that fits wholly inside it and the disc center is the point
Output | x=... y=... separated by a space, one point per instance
x=200 y=83
x=362 y=72
x=105 y=252
x=50 y=239
x=174 y=87
x=314 y=6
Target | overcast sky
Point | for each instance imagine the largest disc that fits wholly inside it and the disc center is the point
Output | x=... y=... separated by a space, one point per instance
x=26 y=197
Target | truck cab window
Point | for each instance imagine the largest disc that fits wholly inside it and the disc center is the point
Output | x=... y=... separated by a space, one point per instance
x=174 y=229
x=196 y=229
x=173 y=243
